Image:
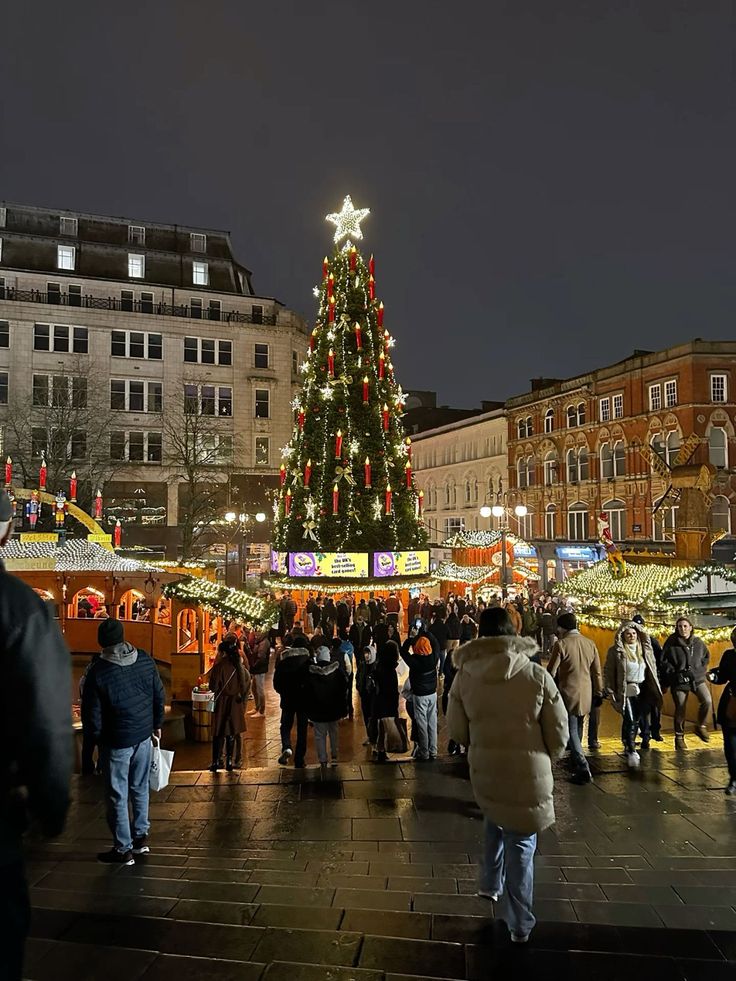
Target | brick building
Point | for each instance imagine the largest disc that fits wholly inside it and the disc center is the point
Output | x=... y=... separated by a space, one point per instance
x=154 y=317
x=573 y=448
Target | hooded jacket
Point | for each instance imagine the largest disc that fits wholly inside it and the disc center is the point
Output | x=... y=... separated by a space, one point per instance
x=123 y=700
x=509 y=713
x=576 y=667
x=422 y=667
x=326 y=692
x=681 y=657
x=615 y=671
x=290 y=677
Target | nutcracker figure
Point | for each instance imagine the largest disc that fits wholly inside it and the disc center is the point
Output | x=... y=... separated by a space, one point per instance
x=33 y=510
x=60 y=509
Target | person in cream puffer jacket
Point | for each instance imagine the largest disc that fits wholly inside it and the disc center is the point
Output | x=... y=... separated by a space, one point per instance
x=510 y=714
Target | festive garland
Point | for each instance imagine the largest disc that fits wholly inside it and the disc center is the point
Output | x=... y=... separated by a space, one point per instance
x=658 y=628
x=229 y=603
x=350 y=585
x=643 y=584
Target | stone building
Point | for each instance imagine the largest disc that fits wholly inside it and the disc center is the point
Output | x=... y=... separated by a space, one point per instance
x=574 y=448
x=159 y=319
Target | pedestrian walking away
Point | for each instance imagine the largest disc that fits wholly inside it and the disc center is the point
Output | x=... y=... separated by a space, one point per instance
x=290 y=681
x=123 y=703
x=37 y=751
x=684 y=665
x=259 y=670
x=509 y=713
x=632 y=683
x=725 y=674
x=386 y=694
x=421 y=655
x=326 y=694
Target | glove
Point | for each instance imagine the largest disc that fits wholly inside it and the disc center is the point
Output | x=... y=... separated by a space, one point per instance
x=597 y=701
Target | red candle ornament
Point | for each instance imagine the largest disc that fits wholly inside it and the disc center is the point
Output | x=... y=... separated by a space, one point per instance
x=98 y=504
x=371 y=287
x=331 y=363
x=338 y=444
x=307 y=473
x=331 y=310
x=118 y=536
x=335 y=499
x=407 y=468
x=353 y=258
x=420 y=501
x=287 y=502
x=381 y=365
x=312 y=339
x=42 y=474
x=325 y=267
x=73 y=486
x=372 y=267
x=380 y=314
x=358 y=338
x=389 y=497
x=330 y=285
x=282 y=475
x=8 y=472
x=385 y=417
x=300 y=418
x=367 y=471
x=408 y=447
x=366 y=385
x=386 y=337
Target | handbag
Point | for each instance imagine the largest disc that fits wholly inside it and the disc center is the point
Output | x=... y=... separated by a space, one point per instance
x=162 y=760
x=392 y=735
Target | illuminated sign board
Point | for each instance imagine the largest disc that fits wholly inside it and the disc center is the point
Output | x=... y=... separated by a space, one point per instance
x=329 y=565
x=278 y=562
x=400 y=564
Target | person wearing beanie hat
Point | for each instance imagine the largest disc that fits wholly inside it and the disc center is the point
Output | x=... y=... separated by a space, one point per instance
x=326 y=703
x=123 y=706
x=36 y=752
x=576 y=667
x=631 y=679
x=420 y=652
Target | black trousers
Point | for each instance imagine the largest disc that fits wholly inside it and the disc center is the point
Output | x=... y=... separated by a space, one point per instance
x=15 y=917
x=729 y=748
x=288 y=714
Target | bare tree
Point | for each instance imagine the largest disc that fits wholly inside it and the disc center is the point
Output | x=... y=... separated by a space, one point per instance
x=67 y=419
x=200 y=450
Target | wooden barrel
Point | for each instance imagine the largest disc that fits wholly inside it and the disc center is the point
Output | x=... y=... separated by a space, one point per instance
x=201 y=725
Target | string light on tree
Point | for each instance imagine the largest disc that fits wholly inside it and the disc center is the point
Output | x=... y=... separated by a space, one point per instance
x=347 y=220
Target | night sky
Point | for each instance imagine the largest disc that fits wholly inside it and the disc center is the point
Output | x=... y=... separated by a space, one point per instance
x=551 y=182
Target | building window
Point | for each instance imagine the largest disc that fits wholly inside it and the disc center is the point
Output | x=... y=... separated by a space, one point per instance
x=74 y=295
x=136 y=446
x=526 y=526
x=670 y=393
x=146 y=305
x=525 y=471
x=720 y=514
x=256 y=314
x=453 y=526
x=718 y=388
x=581 y=413
x=127 y=300
x=550 y=469
x=604 y=410
x=197 y=242
x=68 y=226
x=577 y=465
x=214 y=311
x=39 y=441
x=136 y=235
x=3 y=388
x=136 y=265
x=525 y=427
x=664 y=523
x=4 y=333
x=613 y=460
x=2 y=287
x=295 y=362
x=3 y=217
x=261 y=356
x=195 y=308
x=59 y=391
x=655 y=398
x=136 y=344
x=262 y=403
x=616 y=511
x=673 y=446
x=53 y=294
x=549 y=420
x=204 y=350
x=55 y=337
x=577 y=522
x=550 y=521
x=78 y=449
x=618 y=406
x=262 y=451
x=718 y=447
x=135 y=396
x=65 y=255
x=208 y=400
x=200 y=273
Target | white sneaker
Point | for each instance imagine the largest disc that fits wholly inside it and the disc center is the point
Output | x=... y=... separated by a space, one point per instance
x=519 y=938
x=633 y=759
x=493 y=896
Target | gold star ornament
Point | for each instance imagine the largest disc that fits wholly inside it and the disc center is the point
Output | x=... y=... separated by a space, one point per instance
x=347 y=222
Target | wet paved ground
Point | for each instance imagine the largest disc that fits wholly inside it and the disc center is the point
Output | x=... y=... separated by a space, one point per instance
x=368 y=872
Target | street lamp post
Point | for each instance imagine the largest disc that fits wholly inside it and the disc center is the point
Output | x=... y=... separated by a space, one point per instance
x=243 y=525
x=500 y=511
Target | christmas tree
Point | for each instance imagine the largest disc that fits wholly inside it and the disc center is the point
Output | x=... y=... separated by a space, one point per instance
x=346 y=478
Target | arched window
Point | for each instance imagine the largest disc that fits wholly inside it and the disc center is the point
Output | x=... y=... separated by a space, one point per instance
x=581 y=413
x=577 y=465
x=521 y=428
x=550 y=468
x=572 y=416
x=475 y=488
x=571 y=458
x=619 y=458
x=664 y=523
x=525 y=471
x=526 y=526
x=658 y=446
x=673 y=446
x=606 y=461
x=577 y=522
x=718 y=447
x=583 y=465
x=549 y=420
x=550 y=522
x=448 y=494
x=616 y=511
x=720 y=514
x=529 y=426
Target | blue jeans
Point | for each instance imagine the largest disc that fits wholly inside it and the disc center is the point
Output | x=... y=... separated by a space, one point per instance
x=425 y=724
x=507 y=870
x=126 y=777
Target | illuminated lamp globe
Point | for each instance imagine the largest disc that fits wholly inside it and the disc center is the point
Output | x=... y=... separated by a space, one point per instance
x=497 y=511
x=520 y=510
x=230 y=516
x=260 y=517
x=486 y=511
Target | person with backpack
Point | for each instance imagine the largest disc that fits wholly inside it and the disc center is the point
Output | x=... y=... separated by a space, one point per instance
x=326 y=697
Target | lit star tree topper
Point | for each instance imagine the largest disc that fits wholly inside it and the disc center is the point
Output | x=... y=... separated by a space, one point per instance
x=347 y=432
x=347 y=222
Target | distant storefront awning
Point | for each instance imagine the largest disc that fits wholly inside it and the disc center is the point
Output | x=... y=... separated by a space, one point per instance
x=576 y=553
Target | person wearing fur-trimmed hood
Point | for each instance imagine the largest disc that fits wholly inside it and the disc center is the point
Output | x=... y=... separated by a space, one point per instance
x=509 y=713
x=632 y=682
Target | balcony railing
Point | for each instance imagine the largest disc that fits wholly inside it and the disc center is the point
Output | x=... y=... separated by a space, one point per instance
x=89 y=302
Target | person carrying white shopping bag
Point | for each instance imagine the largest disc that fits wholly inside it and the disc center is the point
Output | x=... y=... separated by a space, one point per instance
x=123 y=705
x=162 y=763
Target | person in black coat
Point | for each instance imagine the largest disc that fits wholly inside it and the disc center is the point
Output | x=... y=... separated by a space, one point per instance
x=725 y=674
x=365 y=683
x=684 y=664
x=438 y=628
x=655 y=712
x=290 y=681
x=326 y=697
x=386 y=696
